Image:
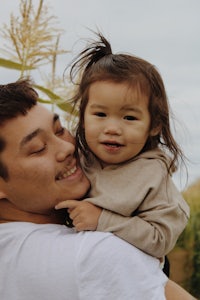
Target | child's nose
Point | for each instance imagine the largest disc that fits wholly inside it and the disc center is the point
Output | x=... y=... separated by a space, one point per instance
x=112 y=127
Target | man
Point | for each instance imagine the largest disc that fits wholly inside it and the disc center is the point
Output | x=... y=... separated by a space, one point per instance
x=39 y=258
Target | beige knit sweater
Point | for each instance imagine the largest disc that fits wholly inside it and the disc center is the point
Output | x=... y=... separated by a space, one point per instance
x=141 y=203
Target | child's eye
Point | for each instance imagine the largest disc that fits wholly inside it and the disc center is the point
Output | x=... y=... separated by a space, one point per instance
x=130 y=118
x=100 y=114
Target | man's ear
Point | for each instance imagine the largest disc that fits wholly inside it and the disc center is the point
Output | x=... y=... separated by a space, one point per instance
x=156 y=130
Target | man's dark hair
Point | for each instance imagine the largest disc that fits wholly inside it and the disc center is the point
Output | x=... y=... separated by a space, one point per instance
x=16 y=99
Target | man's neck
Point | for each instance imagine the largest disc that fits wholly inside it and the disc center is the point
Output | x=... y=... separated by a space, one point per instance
x=9 y=213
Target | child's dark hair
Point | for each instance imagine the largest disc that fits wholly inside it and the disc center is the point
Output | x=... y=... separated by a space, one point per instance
x=98 y=63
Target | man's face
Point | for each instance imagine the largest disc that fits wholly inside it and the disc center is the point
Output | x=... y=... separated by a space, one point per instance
x=39 y=156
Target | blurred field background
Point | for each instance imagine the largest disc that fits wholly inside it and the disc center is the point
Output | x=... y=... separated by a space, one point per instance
x=185 y=257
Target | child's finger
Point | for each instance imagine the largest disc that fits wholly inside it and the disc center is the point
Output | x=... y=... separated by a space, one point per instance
x=67 y=204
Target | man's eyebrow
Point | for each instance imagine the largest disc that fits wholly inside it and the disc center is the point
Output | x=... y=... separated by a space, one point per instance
x=33 y=134
x=29 y=137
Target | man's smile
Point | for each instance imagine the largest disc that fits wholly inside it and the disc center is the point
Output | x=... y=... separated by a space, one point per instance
x=66 y=173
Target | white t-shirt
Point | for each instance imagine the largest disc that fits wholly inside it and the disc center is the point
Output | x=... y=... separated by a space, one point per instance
x=53 y=262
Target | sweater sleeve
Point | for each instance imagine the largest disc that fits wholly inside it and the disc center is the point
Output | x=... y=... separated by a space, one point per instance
x=155 y=232
x=160 y=216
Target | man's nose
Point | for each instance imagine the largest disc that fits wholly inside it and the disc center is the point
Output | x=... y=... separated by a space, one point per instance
x=64 y=149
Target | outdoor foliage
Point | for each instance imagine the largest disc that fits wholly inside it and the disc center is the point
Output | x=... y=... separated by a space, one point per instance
x=195 y=279
x=31 y=40
x=190 y=238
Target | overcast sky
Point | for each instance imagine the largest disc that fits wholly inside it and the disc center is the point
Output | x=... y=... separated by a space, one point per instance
x=164 y=32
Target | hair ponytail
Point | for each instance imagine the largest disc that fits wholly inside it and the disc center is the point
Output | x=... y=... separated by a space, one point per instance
x=90 y=55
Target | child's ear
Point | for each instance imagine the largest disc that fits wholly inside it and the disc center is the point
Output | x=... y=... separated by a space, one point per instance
x=155 y=131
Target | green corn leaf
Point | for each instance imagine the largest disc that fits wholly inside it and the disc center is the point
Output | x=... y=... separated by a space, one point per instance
x=5 y=63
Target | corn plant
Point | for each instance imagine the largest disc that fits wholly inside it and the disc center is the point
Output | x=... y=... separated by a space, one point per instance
x=31 y=40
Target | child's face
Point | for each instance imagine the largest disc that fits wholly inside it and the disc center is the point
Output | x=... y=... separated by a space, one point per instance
x=116 y=121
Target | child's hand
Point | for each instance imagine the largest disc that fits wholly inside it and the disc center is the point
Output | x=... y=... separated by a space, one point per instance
x=84 y=214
